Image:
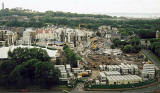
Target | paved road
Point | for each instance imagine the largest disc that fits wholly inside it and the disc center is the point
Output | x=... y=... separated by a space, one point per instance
x=151 y=58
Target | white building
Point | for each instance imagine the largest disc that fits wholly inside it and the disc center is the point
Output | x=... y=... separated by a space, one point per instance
x=64 y=76
x=102 y=78
x=77 y=70
x=4 y=51
x=7 y=37
x=148 y=71
x=124 y=69
x=112 y=73
x=113 y=52
x=125 y=79
x=68 y=67
x=28 y=36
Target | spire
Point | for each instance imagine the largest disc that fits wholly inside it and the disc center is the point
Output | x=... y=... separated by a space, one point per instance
x=2 y=5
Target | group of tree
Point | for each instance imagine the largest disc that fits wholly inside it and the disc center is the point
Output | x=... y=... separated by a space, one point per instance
x=72 y=57
x=155 y=46
x=143 y=28
x=131 y=46
x=28 y=67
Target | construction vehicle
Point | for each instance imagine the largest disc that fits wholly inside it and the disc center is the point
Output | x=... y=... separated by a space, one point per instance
x=148 y=63
x=94 y=47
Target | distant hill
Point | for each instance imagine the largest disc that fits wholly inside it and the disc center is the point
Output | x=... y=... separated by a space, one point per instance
x=29 y=13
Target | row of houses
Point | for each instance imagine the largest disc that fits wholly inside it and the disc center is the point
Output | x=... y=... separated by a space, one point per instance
x=114 y=74
x=114 y=77
x=7 y=38
x=50 y=34
x=125 y=79
x=69 y=73
x=123 y=69
x=148 y=72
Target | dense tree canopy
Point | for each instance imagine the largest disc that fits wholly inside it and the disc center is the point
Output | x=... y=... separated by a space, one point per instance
x=28 y=67
x=143 y=28
x=131 y=46
x=72 y=57
x=21 y=55
x=155 y=47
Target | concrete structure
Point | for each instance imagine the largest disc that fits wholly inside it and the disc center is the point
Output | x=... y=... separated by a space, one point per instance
x=73 y=37
x=102 y=78
x=3 y=5
x=145 y=43
x=4 y=51
x=125 y=79
x=124 y=69
x=157 y=34
x=102 y=67
x=77 y=70
x=68 y=67
x=148 y=71
x=64 y=76
x=113 y=68
x=113 y=52
x=7 y=37
x=28 y=36
x=112 y=73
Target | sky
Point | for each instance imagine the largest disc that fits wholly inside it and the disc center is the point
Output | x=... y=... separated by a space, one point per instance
x=88 y=6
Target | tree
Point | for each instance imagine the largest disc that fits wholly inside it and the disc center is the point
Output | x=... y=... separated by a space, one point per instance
x=134 y=41
x=34 y=72
x=46 y=75
x=21 y=55
x=72 y=57
x=98 y=34
x=127 y=48
x=116 y=42
x=24 y=74
x=112 y=47
x=6 y=68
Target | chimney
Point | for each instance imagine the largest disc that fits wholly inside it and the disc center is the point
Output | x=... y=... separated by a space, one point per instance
x=2 y=5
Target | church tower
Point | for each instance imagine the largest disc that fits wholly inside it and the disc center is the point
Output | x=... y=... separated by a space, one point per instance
x=2 y=5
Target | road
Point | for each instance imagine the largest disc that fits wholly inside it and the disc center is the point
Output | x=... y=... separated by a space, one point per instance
x=145 y=52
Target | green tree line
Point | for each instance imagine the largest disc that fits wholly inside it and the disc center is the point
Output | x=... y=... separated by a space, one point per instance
x=131 y=46
x=142 y=27
x=28 y=67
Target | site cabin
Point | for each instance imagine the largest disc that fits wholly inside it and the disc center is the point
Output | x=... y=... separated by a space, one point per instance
x=112 y=73
x=148 y=72
x=77 y=70
x=68 y=67
x=123 y=79
x=102 y=78
x=102 y=67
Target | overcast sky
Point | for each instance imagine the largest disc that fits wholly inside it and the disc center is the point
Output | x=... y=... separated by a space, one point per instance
x=88 y=6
